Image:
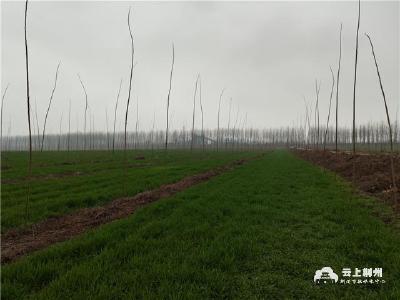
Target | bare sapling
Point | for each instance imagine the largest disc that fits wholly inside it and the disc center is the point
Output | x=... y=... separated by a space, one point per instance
x=316 y=112
x=329 y=110
x=234 y=129
x=202 y=116
x=337 y=88
x=69 y=126
x=244 y=131
x=353 y=139
x=169 y=95
x=194 y=111
x=307 y=126
x=2 y=104
x=48 y=107
x=115 y=116
x=59 y=135
x=388 y=121
x=129 y=96
x=219 y=111
x=355 y=83
x=29 y=117
x=85 y=114
x=229 y=122
x=305 y=121
x=152 y=131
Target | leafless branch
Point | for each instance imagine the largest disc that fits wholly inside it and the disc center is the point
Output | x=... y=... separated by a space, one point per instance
x=194 y=111
x=48 y=107
x=86 y=108
x=29 y=114
x=355 y=82
x=329 y=111
x=219 y=111
x=316 y=112
x=169 y=94
x=2 y=104
x=337 y=88
x=115 y=115
x=387 y=118
x=202 y=116
x=69 y=125
x=129 y=91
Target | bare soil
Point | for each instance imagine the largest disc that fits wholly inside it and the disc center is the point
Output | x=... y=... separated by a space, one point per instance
x=18 y=242
x=371 y=173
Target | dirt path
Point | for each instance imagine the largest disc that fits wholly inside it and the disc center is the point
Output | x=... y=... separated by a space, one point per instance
x=16 y=243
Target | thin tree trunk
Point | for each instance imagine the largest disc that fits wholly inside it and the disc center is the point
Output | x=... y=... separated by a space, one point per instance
x=2 y=104
x=169 y=94
x=337 y=88
x=129 y=96
x=355 y=82
x=244 y=131
x=329 y=111
x=69 y=126
x=388 y=121
x=234 y=130
x=86 y=107
x=219 y=111
x=152 y=131
x=59 y=136
x=229 y=122
x=115 y=115
x=194 y=112
x=108 y=139
x=48 y=107
x=308 y=122
x=29 y=115
x=202 y=116
x=316 y=113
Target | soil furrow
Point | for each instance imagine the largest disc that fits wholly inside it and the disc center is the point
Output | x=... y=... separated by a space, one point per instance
x=19 y=242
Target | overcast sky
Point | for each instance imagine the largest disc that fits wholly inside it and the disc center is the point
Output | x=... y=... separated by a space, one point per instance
x=266 y=54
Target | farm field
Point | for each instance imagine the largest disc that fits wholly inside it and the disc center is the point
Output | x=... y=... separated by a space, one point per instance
x=260 y=230
x=200 y=150
x=62 y=182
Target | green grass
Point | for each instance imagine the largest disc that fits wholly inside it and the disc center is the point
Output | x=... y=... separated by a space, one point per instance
x=260 y=231
x=63 y=182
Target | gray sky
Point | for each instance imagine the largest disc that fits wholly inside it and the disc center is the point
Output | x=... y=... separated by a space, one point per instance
x=266 y=54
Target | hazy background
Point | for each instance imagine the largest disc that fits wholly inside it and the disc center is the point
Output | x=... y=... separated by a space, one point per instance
x=266 y=54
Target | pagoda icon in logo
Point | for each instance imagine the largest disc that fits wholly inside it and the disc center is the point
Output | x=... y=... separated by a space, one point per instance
x=325 y=275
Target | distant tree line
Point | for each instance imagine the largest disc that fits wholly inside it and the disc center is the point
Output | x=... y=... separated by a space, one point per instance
x=369 y=137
